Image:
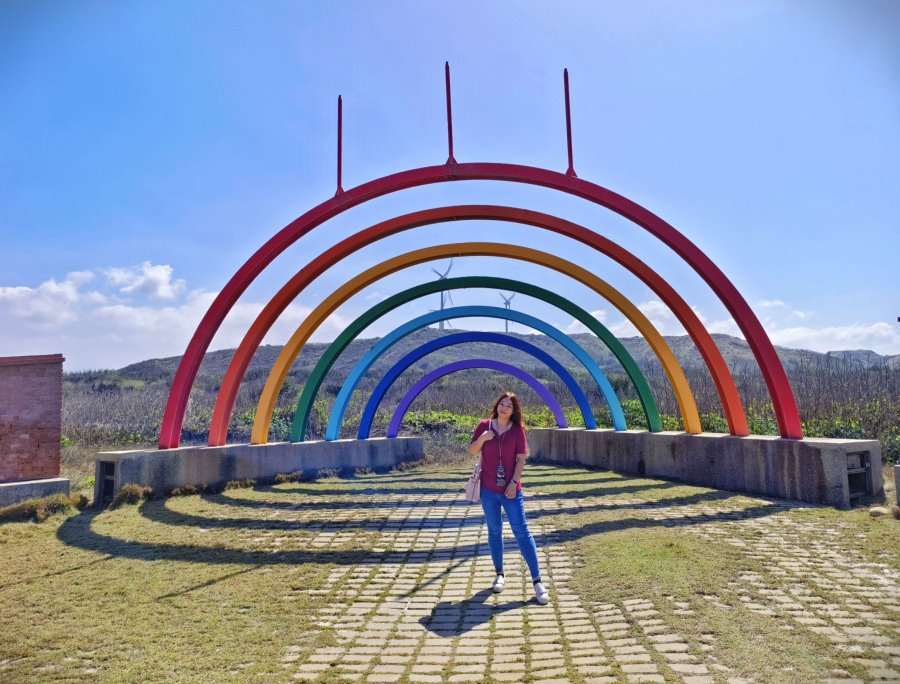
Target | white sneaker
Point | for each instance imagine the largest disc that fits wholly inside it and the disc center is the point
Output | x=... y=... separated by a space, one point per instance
x=499 y=583
x=541 y=593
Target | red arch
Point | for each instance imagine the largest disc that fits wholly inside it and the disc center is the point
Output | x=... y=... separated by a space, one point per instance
x=772 y=370
x=228 y=390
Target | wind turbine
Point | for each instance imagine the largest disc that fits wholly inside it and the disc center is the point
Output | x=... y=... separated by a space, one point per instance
x=506 y=301
x=445 y=296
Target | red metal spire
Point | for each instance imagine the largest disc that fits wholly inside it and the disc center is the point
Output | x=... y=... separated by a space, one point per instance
x=450 y=158
x=340 y=136
x=571 y=170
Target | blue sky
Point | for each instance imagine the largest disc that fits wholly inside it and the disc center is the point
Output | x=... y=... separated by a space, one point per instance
x=148 y=148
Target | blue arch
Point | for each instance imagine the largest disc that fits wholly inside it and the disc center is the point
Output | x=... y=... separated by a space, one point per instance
x=356 y=374
x=438 y=373
x=368 y=416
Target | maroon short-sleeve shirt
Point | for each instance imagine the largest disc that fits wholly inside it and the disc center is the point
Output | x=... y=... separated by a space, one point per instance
x=501 y=449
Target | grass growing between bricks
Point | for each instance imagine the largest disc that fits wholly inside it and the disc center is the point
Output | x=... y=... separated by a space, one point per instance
x=265 y=584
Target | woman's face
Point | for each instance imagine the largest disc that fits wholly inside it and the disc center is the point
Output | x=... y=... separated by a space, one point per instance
x=505 y=408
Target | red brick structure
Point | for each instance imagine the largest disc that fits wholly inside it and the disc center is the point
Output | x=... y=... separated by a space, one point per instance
x=30 y=416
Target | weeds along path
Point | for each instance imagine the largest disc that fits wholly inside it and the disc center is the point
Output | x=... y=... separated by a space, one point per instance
x=386 y=578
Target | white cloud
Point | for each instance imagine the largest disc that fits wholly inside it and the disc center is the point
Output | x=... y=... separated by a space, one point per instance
x=879 y=337
x=128 y=322
x=577 y=326
x=802 y=314
x=725 y=327
x=153 y=280
x=771 y=304
x=46 y=307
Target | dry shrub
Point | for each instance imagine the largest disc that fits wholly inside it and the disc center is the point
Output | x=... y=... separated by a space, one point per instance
x=406 y=465
x=359 y=472
x=189 y=490
x=80 y=501
x=326 y=473
x=36 y=510
x=131 y=494
x=246 y=483
x=296 y=476
x=895 y=511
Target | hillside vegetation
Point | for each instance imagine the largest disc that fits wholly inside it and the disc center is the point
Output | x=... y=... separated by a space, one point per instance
x=840 y=394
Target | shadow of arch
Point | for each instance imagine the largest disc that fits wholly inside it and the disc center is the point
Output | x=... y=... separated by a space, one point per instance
x=77 y=532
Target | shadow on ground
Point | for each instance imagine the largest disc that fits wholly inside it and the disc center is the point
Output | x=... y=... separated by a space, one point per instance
x=78 y=531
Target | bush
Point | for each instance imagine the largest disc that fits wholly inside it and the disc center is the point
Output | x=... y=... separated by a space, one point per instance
x=36 y=510
x=296 y=476
x=131 y=494
x=239 y=484
x=188 y=490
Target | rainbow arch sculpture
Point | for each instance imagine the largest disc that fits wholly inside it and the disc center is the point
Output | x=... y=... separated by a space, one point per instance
x=773 y=372
x=292 y=347
x=368 y=415
x=728 y=393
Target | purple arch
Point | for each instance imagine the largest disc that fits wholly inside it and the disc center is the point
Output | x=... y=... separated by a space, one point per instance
x=528 y=379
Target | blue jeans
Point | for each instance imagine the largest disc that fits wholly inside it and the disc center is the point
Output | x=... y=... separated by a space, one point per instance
x=491 y=503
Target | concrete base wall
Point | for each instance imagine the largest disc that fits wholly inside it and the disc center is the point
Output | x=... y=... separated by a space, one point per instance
x=14 y=492
x=825 y=471
x=165 y=470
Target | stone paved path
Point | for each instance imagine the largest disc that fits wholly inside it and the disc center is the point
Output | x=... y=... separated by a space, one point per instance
x=420 y=608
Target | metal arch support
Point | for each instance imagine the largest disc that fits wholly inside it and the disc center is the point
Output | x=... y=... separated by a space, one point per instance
x=368 y=415
x=773 y=372
x=278 y=373
x=304 y=404
x=438 y=373
x=718 y=369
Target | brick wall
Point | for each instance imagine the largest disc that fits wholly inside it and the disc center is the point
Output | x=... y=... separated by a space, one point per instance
x=30 y=416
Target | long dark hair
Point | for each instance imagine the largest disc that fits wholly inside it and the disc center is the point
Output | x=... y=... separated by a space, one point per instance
x=516 y=416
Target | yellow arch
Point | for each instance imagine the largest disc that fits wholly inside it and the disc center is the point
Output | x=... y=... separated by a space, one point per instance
x=266 y=406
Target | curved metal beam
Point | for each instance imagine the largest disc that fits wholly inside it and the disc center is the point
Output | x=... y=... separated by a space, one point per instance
x=437 y=373
x=368 y=415
x=727 y=390
x=304 y=404
x=292 y=348
x=773 y=372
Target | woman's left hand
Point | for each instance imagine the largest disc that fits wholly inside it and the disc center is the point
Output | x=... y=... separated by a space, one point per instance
x=511 y=489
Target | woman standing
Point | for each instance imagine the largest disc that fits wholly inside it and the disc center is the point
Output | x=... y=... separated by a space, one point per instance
x=501 y=441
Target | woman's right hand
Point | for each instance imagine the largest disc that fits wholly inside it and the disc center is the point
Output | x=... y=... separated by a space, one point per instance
x=487 y=436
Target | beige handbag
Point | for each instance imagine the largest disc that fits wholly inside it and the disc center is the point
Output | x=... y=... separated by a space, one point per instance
x=473 y=486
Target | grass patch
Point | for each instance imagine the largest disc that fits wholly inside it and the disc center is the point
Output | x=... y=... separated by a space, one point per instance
x=653 y=563
x=40 y=509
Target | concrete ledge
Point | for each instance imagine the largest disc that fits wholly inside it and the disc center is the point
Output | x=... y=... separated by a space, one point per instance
x=14 y=492
x=897 y=484
x=165 y=470
x=824 y=471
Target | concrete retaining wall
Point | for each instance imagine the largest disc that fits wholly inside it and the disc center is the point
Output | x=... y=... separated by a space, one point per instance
x=165 y=470
x=14 y=492
x=825 y=471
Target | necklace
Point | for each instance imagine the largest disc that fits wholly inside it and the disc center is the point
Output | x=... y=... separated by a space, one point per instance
x=505 y=430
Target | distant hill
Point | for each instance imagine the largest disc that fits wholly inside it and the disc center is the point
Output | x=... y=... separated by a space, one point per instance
x=735 y=351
